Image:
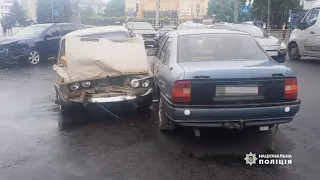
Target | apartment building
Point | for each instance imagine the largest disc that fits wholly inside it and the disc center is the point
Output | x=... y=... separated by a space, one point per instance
x=5 y=7
x=193 y=9
x=174 y=9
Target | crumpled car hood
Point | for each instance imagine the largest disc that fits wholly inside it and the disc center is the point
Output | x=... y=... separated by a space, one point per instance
x=99 y=58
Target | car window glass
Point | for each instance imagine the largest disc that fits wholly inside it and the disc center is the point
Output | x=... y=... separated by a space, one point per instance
x=164 y=51
x=312 y=17
x=160 y=47
x=111 y=35
x=66 y=29
x=217 y=47
x=53 y=32
x=62 y=49
x=168 y=51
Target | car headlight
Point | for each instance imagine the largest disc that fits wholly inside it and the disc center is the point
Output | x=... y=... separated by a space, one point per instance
x=135 y=82
x=283 y=46
x=74 y=86
x=145 y=83
x=86 y=84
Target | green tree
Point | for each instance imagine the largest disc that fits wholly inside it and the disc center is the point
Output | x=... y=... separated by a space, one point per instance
x=115 y=8
x=223 y=9
x=16 y=14
x=54 y=11
x=279 y=10
x=87 y=11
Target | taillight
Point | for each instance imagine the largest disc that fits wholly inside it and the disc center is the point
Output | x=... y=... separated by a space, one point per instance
x=181 y=91
x=290 y=88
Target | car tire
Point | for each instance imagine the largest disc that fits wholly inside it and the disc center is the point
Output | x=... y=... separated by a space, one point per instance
x=144 y=102
x=34 y=57
x=293 y=52
x=164 y=121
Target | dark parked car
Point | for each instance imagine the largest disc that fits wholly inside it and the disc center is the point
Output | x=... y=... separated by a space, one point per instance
x=150 y=36
x=221 y=78
x=34 y=43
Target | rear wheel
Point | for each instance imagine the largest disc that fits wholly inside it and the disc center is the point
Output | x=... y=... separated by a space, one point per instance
x=293 y=52
x=164 y=121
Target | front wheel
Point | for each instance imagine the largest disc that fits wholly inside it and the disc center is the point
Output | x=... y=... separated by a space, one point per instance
x=144 y=102
x=33 y=58
x=293 y=52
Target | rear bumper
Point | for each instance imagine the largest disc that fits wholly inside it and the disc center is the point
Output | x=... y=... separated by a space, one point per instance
x=215 y=116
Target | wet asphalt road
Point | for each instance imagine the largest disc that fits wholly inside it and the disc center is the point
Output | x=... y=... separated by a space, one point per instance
x=95 y=146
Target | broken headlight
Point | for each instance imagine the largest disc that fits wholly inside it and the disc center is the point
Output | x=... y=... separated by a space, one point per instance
x=74 y=86
x=86 y=84
x=135 y=83
x=145 y=83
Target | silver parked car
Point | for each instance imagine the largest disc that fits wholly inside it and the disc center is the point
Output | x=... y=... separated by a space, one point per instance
x=275 y=48
x=221 y=78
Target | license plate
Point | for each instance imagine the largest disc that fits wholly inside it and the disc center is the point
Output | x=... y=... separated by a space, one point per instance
x=237 y=90
x=273 y=53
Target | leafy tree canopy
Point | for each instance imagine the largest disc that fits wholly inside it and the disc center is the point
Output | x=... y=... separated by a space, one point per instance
x=115 y=8
x=54 y=11
x=16 y=14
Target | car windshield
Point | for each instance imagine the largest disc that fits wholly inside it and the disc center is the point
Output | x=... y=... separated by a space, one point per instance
x=253 y=30
x=167 y=29
x=200 y=26
x=142 y=26
x=217 y=47
x=31 y=31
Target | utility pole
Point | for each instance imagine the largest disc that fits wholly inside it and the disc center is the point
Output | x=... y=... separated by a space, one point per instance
x=236 y=11
x=157 y=14
x=268 y=21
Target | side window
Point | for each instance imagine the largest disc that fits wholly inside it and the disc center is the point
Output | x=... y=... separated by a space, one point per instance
x=312 y=17
x=164 y=55
x=161 y=47
x=110 y=35
x=53 y=32
x=66 y=29
x=62 y=51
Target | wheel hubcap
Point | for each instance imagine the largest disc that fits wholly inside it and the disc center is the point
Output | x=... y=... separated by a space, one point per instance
x=34 y=57
x=294 y=52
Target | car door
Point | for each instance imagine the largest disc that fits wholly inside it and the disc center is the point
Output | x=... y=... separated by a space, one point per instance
x=310 y=34
x=162 y=72
x=51 y=41
x=155 y=62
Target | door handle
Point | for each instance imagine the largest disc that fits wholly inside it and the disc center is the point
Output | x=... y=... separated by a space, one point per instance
x=311 y=32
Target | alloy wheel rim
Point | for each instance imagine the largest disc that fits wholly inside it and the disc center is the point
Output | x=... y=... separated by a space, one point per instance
x=34 y=57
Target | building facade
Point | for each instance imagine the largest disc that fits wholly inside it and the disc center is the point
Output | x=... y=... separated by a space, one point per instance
x=30 y=8
x=193 y=9
x=5 y=7
x=173 y=10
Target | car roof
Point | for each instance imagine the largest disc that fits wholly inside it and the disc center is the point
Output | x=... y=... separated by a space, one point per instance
x=192 y=24
x=96 y=30
x=208 y=31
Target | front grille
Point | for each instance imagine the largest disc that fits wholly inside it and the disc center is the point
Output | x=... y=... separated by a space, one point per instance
x=148 y=35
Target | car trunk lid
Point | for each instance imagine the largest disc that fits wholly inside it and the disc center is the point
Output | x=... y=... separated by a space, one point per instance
x=241 y=82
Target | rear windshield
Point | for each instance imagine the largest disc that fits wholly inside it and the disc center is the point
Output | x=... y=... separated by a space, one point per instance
x=110 y=35
x=200 y=26
x=219 y=47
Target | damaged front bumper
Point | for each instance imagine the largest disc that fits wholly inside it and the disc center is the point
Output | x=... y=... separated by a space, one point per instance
x=11 y=57
x=117 y=98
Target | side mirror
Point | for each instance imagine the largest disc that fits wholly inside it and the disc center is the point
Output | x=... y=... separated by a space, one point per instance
x=152 y=52
x=47 y=36
x=279 y=59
